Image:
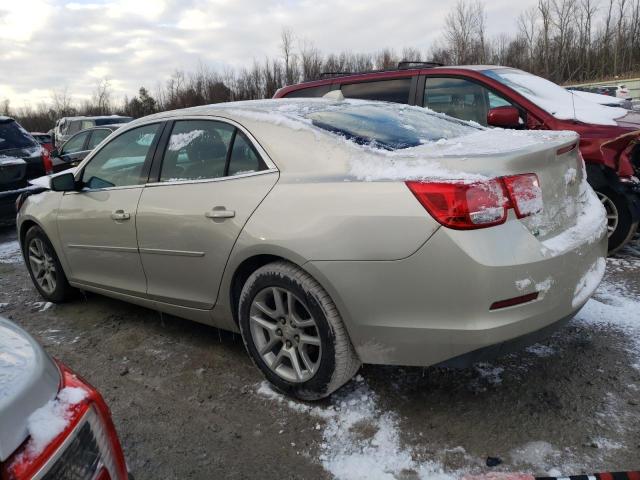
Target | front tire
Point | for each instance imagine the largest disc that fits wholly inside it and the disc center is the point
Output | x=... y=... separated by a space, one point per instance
x=293 y=332
x=620 y=225
x=44 y=267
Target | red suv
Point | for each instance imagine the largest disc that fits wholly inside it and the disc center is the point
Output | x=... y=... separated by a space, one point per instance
x=510 y=98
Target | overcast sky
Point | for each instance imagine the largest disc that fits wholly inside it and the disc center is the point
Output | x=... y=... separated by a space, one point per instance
x=47 y=45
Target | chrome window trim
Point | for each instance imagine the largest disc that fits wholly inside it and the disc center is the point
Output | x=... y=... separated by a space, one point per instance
x=209 y=180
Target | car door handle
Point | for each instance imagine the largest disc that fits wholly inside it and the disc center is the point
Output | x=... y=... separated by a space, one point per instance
x=120 y=215
x=220 y=212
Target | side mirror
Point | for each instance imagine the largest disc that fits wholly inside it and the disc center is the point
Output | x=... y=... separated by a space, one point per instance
x=505 y=117
x=63 y=183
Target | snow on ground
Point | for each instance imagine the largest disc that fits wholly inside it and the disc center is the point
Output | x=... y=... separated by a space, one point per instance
x=10 y=252
x=360 y=440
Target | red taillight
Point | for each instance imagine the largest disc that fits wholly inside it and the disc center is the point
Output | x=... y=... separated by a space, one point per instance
x=468 y=206
x=525 y=194
x=88 y=446
x=46 y=161
x=512 y=302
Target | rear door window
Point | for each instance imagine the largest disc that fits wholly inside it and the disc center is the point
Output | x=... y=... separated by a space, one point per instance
x=244 y=158
x=395 y=90
x=13 y=135
x=197 y=150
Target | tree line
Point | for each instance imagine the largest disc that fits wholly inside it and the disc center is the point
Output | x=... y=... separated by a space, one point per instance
x=566 y=41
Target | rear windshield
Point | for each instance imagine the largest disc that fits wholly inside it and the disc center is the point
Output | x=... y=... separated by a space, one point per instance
x=13 y=135
x=390 y=127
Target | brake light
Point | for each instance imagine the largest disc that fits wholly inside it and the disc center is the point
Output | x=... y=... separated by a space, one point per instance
x=46 y=161
x=469 y=206
x=525 y=194
x=88 y=446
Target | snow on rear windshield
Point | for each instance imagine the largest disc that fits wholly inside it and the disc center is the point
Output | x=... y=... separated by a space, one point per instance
x=389 y=128
x=556 y=100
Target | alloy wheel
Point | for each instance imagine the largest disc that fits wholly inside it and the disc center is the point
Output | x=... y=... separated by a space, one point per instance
x=285 y=334
x=42 y=265
x=612 y=213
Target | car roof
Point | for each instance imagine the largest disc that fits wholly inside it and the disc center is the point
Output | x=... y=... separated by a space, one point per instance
x=93 y=117
x=6 y=119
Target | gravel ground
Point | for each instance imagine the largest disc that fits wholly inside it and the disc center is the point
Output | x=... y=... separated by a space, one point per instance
x=188 y=403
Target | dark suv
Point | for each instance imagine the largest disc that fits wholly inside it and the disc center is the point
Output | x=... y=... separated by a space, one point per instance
x=509 y=98
x=22 y=159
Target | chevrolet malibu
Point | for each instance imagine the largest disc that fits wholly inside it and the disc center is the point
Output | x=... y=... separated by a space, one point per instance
x=328 y=232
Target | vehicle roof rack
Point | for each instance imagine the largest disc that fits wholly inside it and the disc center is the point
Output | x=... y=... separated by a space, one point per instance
x=406 y=65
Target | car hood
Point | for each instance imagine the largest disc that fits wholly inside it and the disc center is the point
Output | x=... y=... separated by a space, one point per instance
x=29 y=378
x=630 y=120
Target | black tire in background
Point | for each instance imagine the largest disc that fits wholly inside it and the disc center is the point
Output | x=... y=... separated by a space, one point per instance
x=618 y=205
x=36 y=244
x=336 y=364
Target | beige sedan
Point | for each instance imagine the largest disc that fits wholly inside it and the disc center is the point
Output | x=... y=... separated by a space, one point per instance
x=327 y=232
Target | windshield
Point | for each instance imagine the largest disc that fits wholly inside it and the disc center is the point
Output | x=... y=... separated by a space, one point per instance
x=13 y=135
x=389 y=127
x=558 y=101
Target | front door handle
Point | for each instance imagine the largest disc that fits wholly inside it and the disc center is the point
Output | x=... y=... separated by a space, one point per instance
x=120 y=215
x=220 y=213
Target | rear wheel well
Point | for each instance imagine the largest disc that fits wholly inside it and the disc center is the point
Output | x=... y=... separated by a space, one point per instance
x=242 y=273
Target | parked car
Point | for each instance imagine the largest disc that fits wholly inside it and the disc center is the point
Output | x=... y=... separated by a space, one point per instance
x=603 y=99
x=510 y=98
x=73 y=151
x=53 y=423
x=22 y=158
x=43 y=139
x=327 y=232
x=67 y=126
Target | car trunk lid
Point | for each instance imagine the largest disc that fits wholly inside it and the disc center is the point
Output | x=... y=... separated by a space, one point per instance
x=28 y=379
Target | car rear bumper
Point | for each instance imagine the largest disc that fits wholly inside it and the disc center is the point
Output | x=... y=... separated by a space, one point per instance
x=436 y=304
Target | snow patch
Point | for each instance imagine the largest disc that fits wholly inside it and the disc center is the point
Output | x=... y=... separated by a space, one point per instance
x=538 y=454
x=589 y=282
x=490 y=373
x=178 y=141
x=361 y=441
x=544 y=286
x=10 y=252
x=523 y=284
x=47 y=422
x=540 y=350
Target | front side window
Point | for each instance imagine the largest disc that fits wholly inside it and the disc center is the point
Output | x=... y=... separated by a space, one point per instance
x=197 y=150
x=119 y=163
x=97 y=136
x=396 y=90
x=460 y=98
x=75 y=144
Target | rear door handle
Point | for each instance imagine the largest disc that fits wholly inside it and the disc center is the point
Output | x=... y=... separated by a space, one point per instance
x=220 y=212
x=120 y=215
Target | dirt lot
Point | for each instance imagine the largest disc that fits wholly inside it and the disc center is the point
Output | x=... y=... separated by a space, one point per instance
x=188 y=403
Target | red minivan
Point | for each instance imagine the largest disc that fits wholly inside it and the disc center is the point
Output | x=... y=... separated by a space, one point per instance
x=510 y=98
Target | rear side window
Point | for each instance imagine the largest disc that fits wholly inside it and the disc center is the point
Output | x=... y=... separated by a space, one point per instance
x=13 y=135
x=244 y=158
x=396 y=91
x=310 y=92
x=197 y=150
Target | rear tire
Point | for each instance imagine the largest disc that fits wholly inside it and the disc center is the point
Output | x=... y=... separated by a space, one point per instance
x=620 y=224
x=293 y=332
x=44 y=267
